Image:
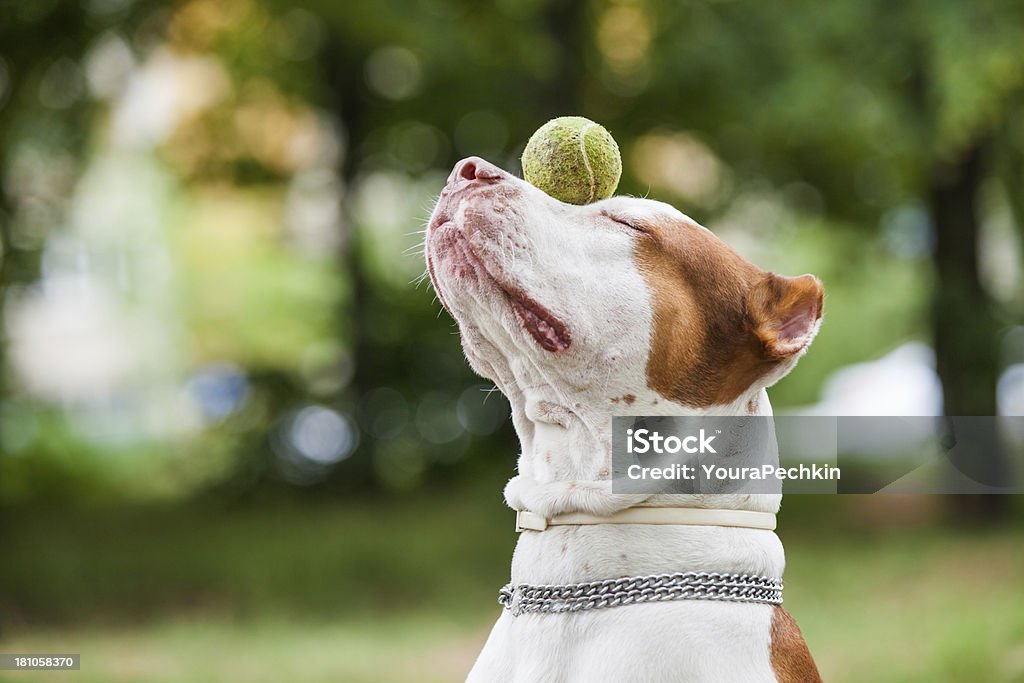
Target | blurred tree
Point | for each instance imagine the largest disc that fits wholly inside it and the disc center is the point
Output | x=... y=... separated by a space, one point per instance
x=46 y=114
x=27 y=119
x=59 y=111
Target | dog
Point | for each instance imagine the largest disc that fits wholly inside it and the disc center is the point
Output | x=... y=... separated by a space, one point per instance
x=578 y=313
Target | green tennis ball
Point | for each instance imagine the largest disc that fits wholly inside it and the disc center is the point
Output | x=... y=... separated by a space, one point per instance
x=573 y=159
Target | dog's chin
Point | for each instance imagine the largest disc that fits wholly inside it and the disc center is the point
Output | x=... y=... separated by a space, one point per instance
x=458 y=273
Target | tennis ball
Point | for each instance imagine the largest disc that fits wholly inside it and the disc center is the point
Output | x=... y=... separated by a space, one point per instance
x=573 y=159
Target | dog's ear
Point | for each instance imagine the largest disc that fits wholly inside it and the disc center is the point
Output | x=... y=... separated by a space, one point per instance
x=784 y=312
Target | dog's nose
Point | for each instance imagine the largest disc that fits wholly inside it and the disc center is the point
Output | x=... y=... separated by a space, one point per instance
x=475 y=168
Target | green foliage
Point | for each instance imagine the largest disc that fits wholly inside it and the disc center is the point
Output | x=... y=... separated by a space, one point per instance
x=861 y=323
x=248 y=299
x=828 y=119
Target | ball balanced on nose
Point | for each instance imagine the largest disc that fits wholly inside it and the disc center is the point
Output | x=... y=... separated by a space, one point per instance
x=573 y=159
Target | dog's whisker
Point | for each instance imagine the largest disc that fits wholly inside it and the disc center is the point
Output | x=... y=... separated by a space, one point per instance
x=488 y=392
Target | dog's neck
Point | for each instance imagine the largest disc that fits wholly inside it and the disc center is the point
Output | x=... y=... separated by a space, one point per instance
x=565 y=466
x=566 y=458
x=564 y=424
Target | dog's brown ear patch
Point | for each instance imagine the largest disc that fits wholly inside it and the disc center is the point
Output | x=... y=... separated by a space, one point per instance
x=720 y=323
x=784 y=313
x=791 y=660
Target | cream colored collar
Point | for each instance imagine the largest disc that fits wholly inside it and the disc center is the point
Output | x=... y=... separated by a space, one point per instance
x=746 y=519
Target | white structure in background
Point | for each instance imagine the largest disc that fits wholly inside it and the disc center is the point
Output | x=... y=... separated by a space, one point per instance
x=1010 y=391
x=902 y=382
x=69 y=341
x=1010 y=396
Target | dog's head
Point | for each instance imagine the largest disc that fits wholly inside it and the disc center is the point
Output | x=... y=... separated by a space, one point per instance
x=624 y=302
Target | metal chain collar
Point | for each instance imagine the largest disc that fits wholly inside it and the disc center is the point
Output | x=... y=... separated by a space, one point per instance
x=574 y=597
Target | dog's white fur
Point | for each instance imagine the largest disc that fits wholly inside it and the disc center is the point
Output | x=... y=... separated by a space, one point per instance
x=578 y=261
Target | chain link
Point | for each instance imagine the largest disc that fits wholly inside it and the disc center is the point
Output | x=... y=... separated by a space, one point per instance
x=574 y=597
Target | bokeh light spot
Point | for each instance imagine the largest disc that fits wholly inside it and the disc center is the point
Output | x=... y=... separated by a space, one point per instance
x=61 y=85
x=678 y=163
x=436 y=420
x=322 y=435
x=482 y=409
x=394 y=72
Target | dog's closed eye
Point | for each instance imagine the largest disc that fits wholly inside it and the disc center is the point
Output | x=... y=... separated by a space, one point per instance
x=632 y=225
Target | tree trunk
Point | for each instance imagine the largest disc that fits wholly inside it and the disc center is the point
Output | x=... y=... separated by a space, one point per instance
x=348 y=100
x=963 y=324
x=566 y=22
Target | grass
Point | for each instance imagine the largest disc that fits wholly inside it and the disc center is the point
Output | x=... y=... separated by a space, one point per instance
x=911 y=606
x=408 y=648
x=405 y=592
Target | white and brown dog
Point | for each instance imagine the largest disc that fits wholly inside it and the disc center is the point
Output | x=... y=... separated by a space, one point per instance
x=624 y=306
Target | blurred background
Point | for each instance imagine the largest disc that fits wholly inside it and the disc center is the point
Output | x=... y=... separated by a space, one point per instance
x=238 y=440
